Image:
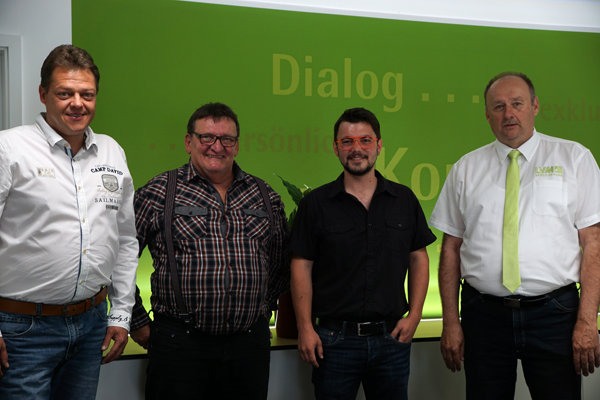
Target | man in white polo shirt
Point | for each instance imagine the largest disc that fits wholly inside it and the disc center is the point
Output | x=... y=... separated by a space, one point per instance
x=67 y=239
x=514 y=231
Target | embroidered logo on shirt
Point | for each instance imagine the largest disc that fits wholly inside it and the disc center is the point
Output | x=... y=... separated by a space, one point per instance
x=45 y=172
x=549 y=171
x=110 y=182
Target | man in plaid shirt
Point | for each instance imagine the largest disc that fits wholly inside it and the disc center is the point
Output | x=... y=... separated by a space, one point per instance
x=231 y=266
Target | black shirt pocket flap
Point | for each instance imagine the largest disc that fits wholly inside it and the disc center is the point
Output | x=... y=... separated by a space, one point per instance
x=396 y=222
x=339 y=226
x=255 y=212
x=189 y=210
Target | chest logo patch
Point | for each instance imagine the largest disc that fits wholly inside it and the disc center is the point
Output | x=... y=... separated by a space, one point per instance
x=549 y=171
x=45 y=172
x=110 y=182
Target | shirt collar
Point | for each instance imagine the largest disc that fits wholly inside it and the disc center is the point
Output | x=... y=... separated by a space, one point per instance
x=527 y=149
x=382 y=185
x=54 y=138
x=238 y=174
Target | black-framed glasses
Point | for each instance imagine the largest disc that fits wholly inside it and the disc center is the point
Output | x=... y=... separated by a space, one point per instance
x=209 y=140
x=366 y=142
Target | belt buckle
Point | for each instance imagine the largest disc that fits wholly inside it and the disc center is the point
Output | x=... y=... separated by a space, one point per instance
x=360 y=324
x=512 y=303
x=65 y=312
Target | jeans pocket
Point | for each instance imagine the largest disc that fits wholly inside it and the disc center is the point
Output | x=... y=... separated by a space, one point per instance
x=403 y=344
x=328 y=337
x=260 y=334
x=467 y=297
x=165 y=339
x=568 y=302
x=101 y=311
x=15 y=325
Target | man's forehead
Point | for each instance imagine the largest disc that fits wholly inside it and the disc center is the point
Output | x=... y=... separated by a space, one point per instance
x=211 y=122
x=348 y=129
x=65 y=76
x=513 y=86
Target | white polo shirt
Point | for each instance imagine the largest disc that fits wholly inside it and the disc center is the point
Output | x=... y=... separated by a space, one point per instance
x=559 y=194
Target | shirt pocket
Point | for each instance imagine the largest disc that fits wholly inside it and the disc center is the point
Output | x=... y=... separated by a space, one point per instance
x=339 y=237
x=398 y=233
x=549 y=197
x=189 y=222
x=256 y=223
x=339 y=226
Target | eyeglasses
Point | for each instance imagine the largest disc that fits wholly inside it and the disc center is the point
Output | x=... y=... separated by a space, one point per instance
x=209 y=140
x=366 y=142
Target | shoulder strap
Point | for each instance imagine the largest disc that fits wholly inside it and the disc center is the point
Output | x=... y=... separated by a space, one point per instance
x=267 y=200
x=169 y=206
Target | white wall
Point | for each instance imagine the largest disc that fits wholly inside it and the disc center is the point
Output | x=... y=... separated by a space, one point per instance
x=42 y=25
x=571 y=15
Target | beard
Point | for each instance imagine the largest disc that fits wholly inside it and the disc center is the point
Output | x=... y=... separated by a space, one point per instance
x=355 y=170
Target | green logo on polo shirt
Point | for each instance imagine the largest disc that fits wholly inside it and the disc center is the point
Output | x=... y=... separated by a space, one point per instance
x=549 y=171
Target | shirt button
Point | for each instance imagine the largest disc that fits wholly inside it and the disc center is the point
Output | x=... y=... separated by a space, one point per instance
x=78 y=187
x=85 y=251
x=81 y=283
x=83 y=220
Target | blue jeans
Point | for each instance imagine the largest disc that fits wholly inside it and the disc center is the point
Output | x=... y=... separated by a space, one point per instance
x=496 y=336
x=53 y=357
x=380 y=362
x=187 y=364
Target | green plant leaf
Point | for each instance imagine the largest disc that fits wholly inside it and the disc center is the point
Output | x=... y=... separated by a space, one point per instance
x=293 y=190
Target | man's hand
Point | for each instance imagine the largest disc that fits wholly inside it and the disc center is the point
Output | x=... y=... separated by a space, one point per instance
x=452 y=344
x=586 y=347
x=309 y=343
x=120 y=337
x=3 y=358
x=141 y=336
x=405 y=329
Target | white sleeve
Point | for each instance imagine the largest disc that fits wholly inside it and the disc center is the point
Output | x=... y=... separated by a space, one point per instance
x=446 y=215
x=588 y=192
x=121 y=293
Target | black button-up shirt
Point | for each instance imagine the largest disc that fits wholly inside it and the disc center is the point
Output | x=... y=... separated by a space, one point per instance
x=360 y=256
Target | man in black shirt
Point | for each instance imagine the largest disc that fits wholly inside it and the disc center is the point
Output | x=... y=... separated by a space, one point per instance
x=354 y=240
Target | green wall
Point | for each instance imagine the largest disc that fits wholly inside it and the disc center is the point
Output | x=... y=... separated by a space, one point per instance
x=289 y=75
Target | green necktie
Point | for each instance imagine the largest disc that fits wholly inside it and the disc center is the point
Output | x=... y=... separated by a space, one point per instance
x=511 y=277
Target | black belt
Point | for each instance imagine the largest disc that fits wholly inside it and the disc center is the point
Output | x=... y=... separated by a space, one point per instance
x=517 y=301
x=359 y=328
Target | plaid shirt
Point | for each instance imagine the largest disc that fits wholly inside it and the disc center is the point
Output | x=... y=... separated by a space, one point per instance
x=229 y=272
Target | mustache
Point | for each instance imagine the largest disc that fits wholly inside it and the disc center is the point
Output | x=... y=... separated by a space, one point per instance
x=510 y=122
x=356 y=154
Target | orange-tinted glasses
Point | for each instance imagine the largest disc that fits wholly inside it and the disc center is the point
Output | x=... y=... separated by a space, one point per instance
x=366 y=142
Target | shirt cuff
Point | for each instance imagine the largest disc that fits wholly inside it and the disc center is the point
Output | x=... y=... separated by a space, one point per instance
x=119 y=318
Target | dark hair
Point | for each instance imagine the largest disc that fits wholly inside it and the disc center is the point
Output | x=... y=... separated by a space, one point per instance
x=216 y=111
x=509 y=73
x=70 y=58
x=356 y=115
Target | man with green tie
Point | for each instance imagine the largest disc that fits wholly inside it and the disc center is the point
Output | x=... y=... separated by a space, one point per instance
x=516 y=215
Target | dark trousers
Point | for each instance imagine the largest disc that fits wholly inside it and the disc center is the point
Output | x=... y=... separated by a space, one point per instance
x=185 y=364
x=497 y=335
x=380 y=362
